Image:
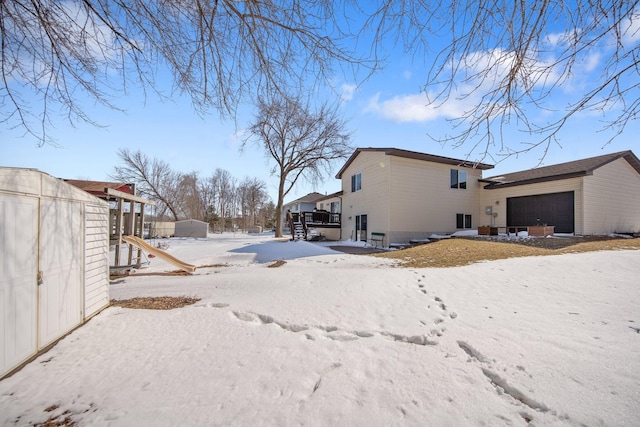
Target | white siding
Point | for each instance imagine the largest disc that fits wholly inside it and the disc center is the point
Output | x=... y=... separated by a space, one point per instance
x=372 y=200
x=96 y=265
x=61 y=255
x=50 y=226
x=18 y=273
x=423 y=202
x=22 y=181
x=612 y=199
x=407 y=198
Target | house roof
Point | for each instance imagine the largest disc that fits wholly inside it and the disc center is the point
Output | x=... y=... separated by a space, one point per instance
x=309 y=198
x=567 y=170
x=97 y=188
x=330 y=196
x=415 y=155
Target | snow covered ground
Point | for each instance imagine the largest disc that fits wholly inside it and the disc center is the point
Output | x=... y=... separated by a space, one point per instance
x=337 y=339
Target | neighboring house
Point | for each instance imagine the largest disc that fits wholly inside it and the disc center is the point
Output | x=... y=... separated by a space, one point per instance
x=191 y=228
x=326 y=221
x=410 y=196
x=303 y=204
x=330 y=203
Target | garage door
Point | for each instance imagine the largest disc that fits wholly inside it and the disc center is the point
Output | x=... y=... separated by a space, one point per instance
x=555 y=209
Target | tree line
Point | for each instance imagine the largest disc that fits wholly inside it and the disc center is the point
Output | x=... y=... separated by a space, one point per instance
x=219 y=199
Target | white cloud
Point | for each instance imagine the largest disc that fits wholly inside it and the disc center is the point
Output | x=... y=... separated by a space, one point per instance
x=591 y=61
x=416 y=108
x=347 y=92
x=631 y=30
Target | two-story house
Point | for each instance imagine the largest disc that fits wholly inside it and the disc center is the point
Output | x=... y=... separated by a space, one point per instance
x=409 y=195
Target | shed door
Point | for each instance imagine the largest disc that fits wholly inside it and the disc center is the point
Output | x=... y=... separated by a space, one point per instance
x=555 y=209
x=61 y=258
x=18 y=273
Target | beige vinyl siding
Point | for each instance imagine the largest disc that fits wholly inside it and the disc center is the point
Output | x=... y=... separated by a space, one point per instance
x=20 y=181
x=96 y=275
x=422 y=201
x=326 y=203
x=612 y=199
x=497 y=199
x=372 y=200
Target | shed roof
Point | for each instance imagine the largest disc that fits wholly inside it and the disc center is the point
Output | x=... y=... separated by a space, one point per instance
x=415 y=155
x=566 y=170
x=38 y=183
x=191 y=221
x=97 y=188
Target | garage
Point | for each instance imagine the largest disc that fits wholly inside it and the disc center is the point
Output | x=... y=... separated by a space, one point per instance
x=555 y=209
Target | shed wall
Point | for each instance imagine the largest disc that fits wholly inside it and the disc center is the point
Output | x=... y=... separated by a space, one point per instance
x=96 y=265
x=191 y=228
x=49 y=226
x=18 y=272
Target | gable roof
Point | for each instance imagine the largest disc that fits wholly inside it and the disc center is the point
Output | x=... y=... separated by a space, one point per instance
x=567 y=170
x=309 y=198
x=330 y=196
x=415 y=155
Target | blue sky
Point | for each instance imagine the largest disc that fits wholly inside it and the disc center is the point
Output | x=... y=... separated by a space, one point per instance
x=388 y=110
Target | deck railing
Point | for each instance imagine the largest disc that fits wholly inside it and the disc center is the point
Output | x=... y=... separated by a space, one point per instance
x=320 y=218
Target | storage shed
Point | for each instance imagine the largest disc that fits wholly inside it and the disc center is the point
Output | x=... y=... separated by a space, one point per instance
x=54 y=268
x=191 y=228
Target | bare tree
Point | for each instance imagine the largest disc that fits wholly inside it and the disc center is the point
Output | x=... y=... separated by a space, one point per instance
x=226 y=188
x=253 y=196
x=267 y=215
x=302 y=141
x=502 y=60
x=208 y=191
x=154 y=179
x=189 y=197
x=218 y=52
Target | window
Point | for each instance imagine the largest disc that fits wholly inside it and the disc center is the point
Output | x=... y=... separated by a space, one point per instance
x=356 y=182
x=463 y=221
x=458 y=179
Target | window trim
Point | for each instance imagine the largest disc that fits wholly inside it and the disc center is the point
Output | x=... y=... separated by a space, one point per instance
x=356 y=182
x=466 y=220
x=458 y=179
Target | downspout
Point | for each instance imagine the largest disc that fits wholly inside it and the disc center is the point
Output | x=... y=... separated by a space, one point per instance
x=341 y=217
